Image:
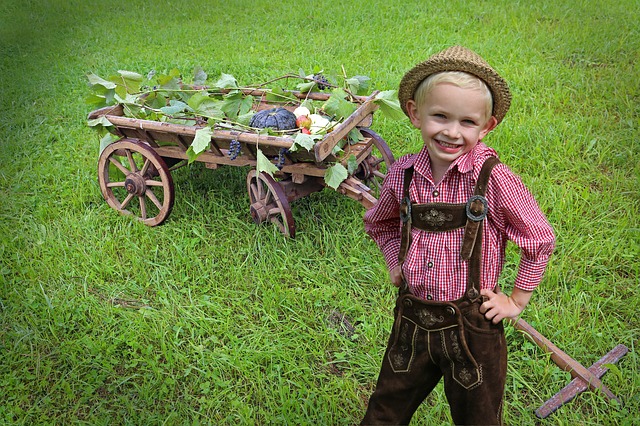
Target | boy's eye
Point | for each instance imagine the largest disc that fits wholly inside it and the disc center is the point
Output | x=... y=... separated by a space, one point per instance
x=439 y=115
x=471 y=122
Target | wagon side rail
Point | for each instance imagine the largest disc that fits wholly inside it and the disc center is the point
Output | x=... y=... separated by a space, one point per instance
x=182 y=135
x=324 y=147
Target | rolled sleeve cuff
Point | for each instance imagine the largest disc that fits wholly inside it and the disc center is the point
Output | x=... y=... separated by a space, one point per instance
x=530 y=273
x=390 y=252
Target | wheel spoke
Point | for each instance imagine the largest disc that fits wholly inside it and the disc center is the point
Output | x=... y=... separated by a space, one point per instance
x=115 y=184
x=145 y=167
x=143 y=207
x=276 y=221
x=254 y=192
x=132 y=162
x=151 y=182
x=126 y=201
x=377 y=161
x=268 y=198
x=275 y=211
x=260 y=188
x=149 y=193
x=119 y=165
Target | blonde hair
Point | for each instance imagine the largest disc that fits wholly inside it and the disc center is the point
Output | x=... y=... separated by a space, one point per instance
x=459 y=78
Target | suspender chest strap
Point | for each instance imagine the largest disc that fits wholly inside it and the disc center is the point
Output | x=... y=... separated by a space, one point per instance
x=442 y=217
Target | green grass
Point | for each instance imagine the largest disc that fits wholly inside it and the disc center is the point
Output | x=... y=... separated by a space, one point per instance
x=210 y=319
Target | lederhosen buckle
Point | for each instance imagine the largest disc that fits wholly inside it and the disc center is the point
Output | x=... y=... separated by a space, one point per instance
x=474 y=213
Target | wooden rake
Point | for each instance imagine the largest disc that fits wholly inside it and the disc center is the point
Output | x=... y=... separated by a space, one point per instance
x=583 y=378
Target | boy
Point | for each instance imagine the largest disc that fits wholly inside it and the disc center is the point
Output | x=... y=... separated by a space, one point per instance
x=442 y=221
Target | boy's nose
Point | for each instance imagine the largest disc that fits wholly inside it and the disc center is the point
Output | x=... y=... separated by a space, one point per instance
x=452 y=131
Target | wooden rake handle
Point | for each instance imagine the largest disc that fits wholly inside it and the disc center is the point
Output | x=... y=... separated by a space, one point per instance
x=563 y=360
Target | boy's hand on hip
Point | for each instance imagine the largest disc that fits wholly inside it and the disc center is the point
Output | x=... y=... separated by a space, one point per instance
x=500 y=306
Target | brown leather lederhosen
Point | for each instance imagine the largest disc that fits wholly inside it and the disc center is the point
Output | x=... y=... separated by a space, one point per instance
x=432 y=339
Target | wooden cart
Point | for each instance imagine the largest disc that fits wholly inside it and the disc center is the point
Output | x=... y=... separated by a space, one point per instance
x=135 y=171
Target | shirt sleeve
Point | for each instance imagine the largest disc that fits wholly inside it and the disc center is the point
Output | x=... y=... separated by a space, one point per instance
x=518 y=215
x=382 y=221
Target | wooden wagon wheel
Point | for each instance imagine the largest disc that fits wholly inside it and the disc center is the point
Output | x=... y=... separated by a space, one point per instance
x=373 y=169
x=134 y=180
x=269 y=202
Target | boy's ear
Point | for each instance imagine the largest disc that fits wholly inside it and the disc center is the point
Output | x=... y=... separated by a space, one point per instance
x=491 y=124
x=414 y=114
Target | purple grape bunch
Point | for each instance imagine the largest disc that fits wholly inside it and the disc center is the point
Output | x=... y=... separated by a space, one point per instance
x=281 y=157
x=234 y=149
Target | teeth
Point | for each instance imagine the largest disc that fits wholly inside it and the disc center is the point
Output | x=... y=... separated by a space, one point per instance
x=447 y=145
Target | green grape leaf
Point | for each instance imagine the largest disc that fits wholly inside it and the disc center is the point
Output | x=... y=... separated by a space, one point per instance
x=200 y=143
x=174 y=107
x=199 y=76
x=263 y=164
x=358 y=85
x=96 y=101
x=171 y=81
x=236 y=104
x=279 y=95
x=389 y=104
x=95 y=80
x=335 y=175
x=354 y=136
x=305 y=141
x=245 y=119
x=338 y=106
x=155 y=100
x=100 y=121
x=131 y=81
x=202 y=104
x=307 y=86
x=352 y=164
x=107 y=140
x=130 y=75
x=227 y=81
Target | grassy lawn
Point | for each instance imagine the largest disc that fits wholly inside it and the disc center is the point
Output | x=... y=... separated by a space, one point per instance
x=211 y=319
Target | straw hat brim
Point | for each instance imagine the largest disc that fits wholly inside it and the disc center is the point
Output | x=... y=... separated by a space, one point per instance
x=457 y=58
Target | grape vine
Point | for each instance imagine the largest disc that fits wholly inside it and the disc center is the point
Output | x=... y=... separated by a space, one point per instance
x=225 y=104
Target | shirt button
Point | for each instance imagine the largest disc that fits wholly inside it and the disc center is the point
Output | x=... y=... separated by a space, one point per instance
x=429 y=297
x=429 y=264
x=435 y=193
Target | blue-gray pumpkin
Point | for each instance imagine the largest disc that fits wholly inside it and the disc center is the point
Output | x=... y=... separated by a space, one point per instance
x=276 y=118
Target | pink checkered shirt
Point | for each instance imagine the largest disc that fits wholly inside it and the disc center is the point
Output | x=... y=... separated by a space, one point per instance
x=433 y=267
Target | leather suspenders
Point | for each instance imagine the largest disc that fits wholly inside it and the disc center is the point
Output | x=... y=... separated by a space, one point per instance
x=441 y=217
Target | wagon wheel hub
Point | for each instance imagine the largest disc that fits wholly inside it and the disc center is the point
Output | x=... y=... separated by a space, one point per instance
x=367 y=167
x=259 y=211
x=135 y=184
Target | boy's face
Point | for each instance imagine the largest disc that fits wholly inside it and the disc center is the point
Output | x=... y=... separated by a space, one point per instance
x=452 y=121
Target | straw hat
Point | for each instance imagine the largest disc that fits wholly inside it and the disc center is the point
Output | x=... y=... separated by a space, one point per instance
x=457 y=58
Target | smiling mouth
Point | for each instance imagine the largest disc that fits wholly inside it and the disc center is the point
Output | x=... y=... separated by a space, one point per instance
x=446 y=144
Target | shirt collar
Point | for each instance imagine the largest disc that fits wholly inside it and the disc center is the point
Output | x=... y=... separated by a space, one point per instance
x=464 y=163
